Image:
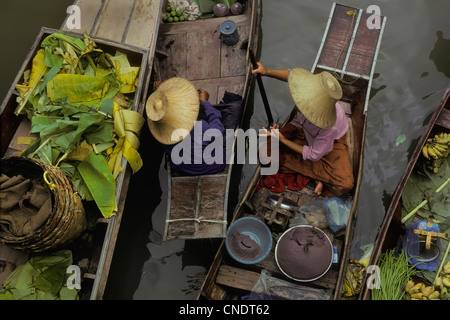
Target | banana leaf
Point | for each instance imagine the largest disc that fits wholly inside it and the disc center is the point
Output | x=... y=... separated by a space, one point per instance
x=78 y=88
x=98 y=178
x=42 y=277
x=421 y=186
x=127 y=126
x=71 y=95
x=127 y=74
x=38 y=66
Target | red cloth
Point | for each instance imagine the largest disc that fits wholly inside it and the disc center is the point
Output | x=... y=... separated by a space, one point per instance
x=279 y=181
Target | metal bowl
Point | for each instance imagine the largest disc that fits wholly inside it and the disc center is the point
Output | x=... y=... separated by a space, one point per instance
x=429 y=255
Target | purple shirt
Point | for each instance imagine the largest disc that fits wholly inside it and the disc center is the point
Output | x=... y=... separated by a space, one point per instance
x=212 y=120
x=320 y=141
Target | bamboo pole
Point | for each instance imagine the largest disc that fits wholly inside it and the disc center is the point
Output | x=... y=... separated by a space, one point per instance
x=442 y=262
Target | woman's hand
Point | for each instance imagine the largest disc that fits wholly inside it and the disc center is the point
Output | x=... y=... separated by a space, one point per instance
x=274 y=132
x=203 y=95
x=260 y=70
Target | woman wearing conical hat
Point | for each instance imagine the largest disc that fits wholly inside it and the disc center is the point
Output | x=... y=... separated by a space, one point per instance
x=178 y=116
x=314 y=143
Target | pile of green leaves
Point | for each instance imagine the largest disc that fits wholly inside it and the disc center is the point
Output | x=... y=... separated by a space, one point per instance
x=71 y=95
x=422 y=185
x=42 y=277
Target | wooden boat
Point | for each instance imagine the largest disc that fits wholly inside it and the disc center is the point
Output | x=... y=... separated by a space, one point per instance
x=348 y=49
x=196 y=50
x=127 y=26
x=392 y=230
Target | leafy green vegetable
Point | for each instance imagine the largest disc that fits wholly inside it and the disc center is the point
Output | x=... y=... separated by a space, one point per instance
x=78 y=99
x=101 y=183
x=43 y=277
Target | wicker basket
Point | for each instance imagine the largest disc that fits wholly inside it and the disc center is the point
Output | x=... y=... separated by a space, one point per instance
x=66 y=222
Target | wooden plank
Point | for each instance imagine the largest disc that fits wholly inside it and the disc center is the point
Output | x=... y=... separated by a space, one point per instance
x=113 y=20
x=144 y=23
x=237 y=278
x=230 y=54
x=176 y=64
x=211 y=206
x=184 y=198
x=364 y=47
x=203 y=49
x=338 y=38
x=88 y=15
x=202 y=24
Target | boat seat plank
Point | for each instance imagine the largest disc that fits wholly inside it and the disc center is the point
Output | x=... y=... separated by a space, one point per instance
x=87 y=7
x=184 y=194
x=237 y=278
x=338 y=38
x=194 y=199
x=113 y=20
x=202 y=24
x=364 y=47
x=144 y=12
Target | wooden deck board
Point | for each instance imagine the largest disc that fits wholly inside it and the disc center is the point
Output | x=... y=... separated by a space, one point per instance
x=337 y=41
x=237 y=278
x=230 y=54
x=144 y=13
x=113 y=20
x=170 y=45
x=203 y=50
x=363 y=50
x=89 y=9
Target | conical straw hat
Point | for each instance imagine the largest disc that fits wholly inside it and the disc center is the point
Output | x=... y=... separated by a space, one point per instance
x=315 y=95
x=174 y=105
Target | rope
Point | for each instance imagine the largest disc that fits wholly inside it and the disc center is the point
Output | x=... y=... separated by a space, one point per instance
x=198 y=220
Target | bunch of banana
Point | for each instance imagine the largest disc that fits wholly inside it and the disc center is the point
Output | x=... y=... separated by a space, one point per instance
x=438 y=291
x=443 y=282
x=436 y=150
x=420 y=291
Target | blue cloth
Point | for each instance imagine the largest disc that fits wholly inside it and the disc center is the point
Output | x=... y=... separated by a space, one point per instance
x=199 y=162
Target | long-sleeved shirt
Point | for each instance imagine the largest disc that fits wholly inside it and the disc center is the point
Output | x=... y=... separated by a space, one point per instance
x=320 y=141
x=202 y=162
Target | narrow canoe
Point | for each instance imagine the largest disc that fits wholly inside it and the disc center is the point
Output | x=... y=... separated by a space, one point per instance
x=92 y=250
x=130 y=27
x=392 y=230
x=198 y=205
x=349 y=50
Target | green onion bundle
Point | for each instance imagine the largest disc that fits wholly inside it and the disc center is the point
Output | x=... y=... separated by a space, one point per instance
x=395 y=272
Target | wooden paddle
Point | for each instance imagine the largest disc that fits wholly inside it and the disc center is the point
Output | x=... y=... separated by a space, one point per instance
x=261 y=90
